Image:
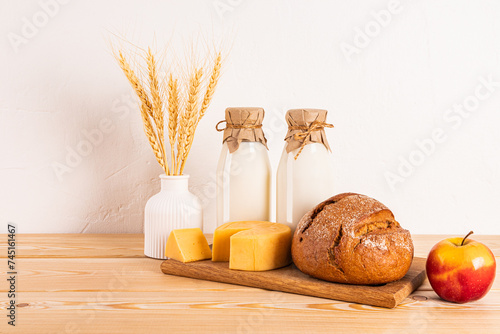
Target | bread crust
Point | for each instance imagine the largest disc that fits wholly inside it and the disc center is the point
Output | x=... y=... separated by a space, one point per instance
x=352 y=238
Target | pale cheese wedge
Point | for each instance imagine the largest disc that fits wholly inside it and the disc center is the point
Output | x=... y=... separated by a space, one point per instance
x=187 y=245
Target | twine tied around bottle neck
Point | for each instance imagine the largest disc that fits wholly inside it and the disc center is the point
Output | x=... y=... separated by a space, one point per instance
x=307 y=130
x=236 y=126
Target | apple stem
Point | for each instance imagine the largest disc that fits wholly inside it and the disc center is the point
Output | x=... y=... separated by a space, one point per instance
x=466 y=237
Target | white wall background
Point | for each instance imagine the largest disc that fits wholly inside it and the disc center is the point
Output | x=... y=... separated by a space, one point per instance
x=61 y=82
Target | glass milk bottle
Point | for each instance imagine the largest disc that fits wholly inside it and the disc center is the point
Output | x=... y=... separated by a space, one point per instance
x=244 y=170
x=305 y=171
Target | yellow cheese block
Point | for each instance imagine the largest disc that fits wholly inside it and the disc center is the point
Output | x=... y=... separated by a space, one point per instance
x=187 y=245
x=223 y=234
x=253 y=245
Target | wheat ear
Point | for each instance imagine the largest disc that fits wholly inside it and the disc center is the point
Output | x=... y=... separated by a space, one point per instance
x=190 y=117
x=149 y=130
x=146 y=106
x=212 y=84
x=173 y=116
x=157 y=105
x=134 y=81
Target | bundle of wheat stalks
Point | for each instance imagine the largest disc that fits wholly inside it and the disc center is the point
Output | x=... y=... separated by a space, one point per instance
x=176 y=100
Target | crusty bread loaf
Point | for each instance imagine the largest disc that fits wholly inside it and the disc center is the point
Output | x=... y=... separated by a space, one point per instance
x=352 y=238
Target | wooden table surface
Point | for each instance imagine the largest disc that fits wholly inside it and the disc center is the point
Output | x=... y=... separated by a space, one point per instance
x=102 y=283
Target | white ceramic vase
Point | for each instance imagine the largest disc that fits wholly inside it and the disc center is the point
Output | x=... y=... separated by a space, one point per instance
x=172 y=208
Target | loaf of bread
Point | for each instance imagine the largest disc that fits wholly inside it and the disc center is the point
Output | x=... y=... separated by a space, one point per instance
x=352 y=238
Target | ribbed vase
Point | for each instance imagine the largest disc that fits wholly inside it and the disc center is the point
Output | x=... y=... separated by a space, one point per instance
x=172 y=208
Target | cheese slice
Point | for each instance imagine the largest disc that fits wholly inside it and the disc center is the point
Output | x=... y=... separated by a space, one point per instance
x=187 y=245
x=253 y=245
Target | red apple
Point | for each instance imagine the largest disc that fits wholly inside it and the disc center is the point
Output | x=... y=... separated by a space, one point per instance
x=461 y=270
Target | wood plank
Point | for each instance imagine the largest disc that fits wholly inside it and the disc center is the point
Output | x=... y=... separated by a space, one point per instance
x=424 y=242
x=245 y=311
x=131 y=245
x=77 y=275
x=240 y=298
x=292 y=280
x=76 y=245
x=112 y=294
x=113 y=275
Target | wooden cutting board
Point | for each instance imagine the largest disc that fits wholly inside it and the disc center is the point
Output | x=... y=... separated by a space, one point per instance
x=290 y=279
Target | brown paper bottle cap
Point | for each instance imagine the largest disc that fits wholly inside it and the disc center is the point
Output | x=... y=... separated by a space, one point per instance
x=242 y=124
x=306 y=126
